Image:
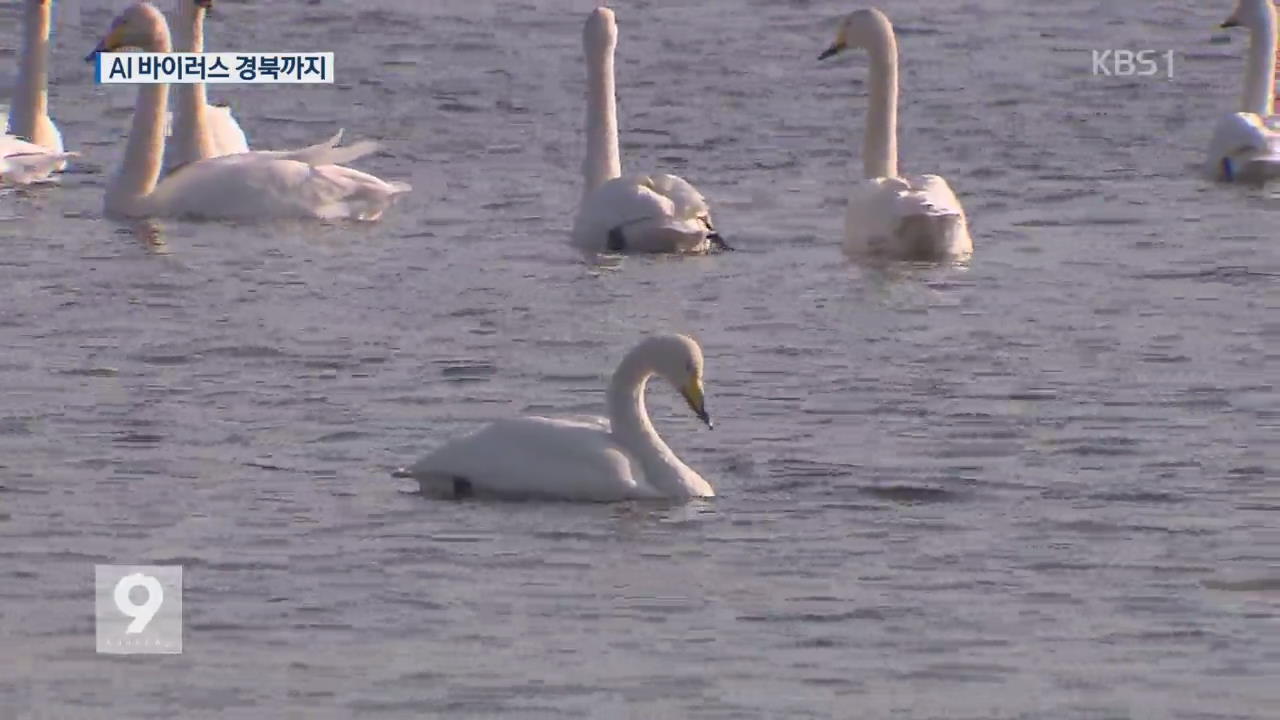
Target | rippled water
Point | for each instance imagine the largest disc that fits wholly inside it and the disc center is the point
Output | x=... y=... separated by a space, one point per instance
x=1040 y=487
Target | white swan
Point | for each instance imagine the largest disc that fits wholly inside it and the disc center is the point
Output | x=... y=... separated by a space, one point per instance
x=200 y=130
x=900 y=218
x=595 y=460
x=34 y=158
x=635 y=213
x=1244 y=147
x=248 y=186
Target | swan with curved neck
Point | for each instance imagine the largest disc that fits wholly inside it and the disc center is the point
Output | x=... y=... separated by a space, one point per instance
x=634 y=213
x=200 y=130
x=598 y=460
x=247 y=186
x=1245 y=146
x=900 y=218
x=34 y=149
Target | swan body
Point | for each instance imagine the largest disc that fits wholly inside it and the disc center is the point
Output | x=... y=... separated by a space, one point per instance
x=1245 y=146
x=645 y=213
x=911 y=218
x=200 y=130
x=1244 y=149
x=246 y=186
x=891 y=216
x=633 y=213
x=593 y=459
x=34 y=150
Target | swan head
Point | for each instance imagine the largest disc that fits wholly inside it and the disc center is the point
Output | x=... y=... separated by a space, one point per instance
x=141 y=25
x=600 y=34
x=1252 y=14
x=863 y=29
x=678 y=360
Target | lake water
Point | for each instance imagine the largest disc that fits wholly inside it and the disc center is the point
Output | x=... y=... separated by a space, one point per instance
x=1043 y=486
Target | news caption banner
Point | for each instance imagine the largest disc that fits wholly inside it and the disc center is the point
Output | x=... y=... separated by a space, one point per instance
x=138 y=609
x=112 y=68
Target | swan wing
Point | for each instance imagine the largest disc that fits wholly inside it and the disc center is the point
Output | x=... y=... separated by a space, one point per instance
x=228 y=138
x=326 y=152
x=1243 y=148
x=252 y=187
x=917 y=218
x=535 y=457
x=644 y=213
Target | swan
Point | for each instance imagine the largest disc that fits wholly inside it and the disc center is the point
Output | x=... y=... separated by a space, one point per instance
x=248 y=186
x=34 y=148
x=1243 y=146
x=900 y=218
x=633 y=213
x=591 y=460
x=200 y=130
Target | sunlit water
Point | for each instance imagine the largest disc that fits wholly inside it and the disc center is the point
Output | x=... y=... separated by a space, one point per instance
x=1039 y=487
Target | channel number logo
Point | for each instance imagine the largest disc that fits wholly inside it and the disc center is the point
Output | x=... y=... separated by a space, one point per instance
x=143 y=614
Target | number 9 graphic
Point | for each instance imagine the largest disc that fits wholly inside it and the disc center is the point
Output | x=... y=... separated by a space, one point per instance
x=141 y=614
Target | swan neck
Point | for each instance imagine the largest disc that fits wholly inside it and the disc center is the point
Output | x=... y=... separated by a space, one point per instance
x=1260 y=75
x=880 y=143
x=31 y=96
x=191 y=128
x=631 y=427
x=602 y=162
x=143 y=154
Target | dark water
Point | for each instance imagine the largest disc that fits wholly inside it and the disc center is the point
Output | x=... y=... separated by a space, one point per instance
x=1041 y=487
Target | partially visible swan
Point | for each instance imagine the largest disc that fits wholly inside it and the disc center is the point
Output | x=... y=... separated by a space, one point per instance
x=34 y=149
x=633 y=213
x=899 y=218
x=595 y=460
x=248 y=186
x=22 y=163
x=200 y=130
x=1244 y=147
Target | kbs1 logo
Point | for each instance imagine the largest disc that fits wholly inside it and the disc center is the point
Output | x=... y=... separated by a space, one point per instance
x=1133 y=63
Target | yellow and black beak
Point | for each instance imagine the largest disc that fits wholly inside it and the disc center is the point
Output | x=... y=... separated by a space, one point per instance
x=110 y=43
x=832 y=51
x=692 y=393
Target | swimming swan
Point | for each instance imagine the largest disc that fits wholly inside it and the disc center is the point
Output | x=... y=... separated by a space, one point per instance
x=34 y=149
x=200 y=130
x=1244 y=147
x=597 y=460
x=636 y=213
x=900 y=218
x=248 y=186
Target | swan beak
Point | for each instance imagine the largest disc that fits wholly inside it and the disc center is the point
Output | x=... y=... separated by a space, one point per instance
x=101 y=48
x=692 y=392
x=1230 y=23
x=833 y=50
x=108 y=43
